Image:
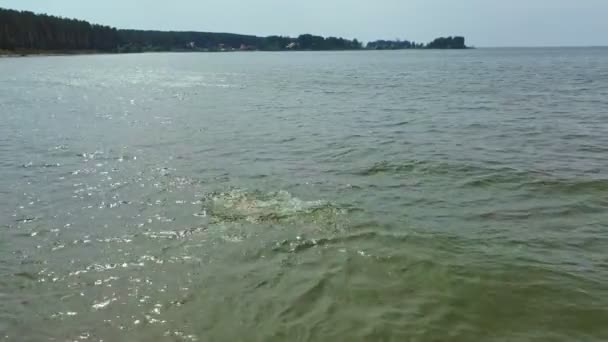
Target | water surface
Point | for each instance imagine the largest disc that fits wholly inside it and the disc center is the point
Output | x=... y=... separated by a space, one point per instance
x=348 y=196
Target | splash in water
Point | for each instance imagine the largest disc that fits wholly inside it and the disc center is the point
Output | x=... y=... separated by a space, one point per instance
x=272 y=207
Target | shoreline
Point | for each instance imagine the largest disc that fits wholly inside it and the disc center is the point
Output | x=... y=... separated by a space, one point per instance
x=48 y=53
x=52 y=53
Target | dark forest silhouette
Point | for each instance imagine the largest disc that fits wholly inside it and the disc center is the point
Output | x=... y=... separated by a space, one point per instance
x=26 y=31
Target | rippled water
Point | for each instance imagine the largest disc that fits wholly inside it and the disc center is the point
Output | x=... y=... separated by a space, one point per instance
x=371 y=196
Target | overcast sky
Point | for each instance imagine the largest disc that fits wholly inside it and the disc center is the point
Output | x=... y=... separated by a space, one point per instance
x=483 y=22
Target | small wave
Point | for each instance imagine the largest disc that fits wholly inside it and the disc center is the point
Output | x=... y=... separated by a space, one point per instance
x=473 y=176
x=387 y=167
x=545 y=212
x=27 y=275
x=27 y=219
x=572 y=185
x=40 y=165
x=175 y=234
x=539 y=182
x=429 y=167
x=301 y=244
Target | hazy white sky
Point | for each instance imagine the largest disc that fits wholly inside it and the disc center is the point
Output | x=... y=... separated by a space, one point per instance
x=483 y=22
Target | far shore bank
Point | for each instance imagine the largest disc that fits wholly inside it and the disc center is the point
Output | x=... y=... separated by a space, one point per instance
x=53 y=53
x=41 y=53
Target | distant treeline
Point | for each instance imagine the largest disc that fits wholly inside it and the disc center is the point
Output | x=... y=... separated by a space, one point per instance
x=27 y=31
x=393 y=45
x=447 y=43
x=439 y=43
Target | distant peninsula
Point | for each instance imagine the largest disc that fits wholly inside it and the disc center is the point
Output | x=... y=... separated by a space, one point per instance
x=23 y=33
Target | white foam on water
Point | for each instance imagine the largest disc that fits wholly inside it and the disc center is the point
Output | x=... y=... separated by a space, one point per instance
x=103 y=304
x=256 y=207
